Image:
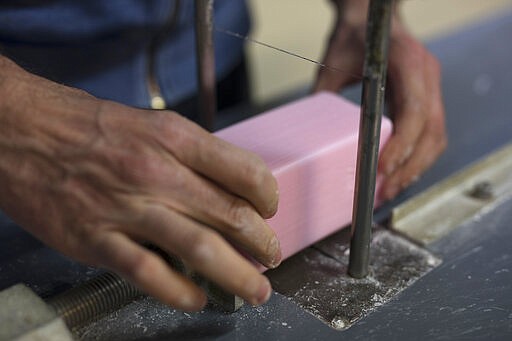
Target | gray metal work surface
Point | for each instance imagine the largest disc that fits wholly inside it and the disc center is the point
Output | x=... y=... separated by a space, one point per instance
x=469 y=296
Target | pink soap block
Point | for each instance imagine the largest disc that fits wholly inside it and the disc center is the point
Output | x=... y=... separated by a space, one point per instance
x=311 y=146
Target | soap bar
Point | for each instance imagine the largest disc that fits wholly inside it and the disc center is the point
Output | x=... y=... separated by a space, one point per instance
x=311 y=147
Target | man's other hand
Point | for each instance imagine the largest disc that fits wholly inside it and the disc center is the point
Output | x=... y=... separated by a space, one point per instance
x=413 y=93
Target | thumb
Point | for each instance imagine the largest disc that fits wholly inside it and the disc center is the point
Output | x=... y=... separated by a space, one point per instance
x=341 y=66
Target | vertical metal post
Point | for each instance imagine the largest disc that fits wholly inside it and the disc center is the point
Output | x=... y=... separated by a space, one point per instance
x=375 y=65
x=205 y=63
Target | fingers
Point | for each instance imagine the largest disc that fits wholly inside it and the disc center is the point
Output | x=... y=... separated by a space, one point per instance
x=201 y=200
x=410 y=117
x=148 y=272
x=205 y=251
x=235 y=219
x=430 y=146
x=343 y=60
x=329 y=78
x=241 y=172
x=409 y=96
x=419 y=135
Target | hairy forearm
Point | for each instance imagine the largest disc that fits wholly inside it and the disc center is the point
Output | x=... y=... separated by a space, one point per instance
x=35 y=112
x=37 y=118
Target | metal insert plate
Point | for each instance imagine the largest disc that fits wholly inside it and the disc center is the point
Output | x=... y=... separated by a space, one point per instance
x=316 y=278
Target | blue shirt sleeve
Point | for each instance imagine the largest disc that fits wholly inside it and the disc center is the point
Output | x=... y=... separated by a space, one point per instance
x=102 y=46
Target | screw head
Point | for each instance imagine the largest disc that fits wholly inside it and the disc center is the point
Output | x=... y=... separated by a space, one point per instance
x=482 y=190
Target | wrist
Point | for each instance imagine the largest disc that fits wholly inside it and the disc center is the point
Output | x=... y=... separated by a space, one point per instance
x=351 y=13
x=352 y=16
x=355 y=12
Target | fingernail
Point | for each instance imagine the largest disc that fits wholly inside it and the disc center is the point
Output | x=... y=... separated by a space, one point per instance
x=192 y=303
x=275 y=248
x=391 y=192
x=264 y=292
x=407 y=153
x=409 y=182
x=272 y=209
x=390 y=168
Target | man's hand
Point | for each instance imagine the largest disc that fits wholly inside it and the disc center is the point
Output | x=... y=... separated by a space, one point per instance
x=413 y=93
x=94 y=179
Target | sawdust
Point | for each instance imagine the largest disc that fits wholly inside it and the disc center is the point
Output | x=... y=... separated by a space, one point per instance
x=149 y=319
x=323 y=290
x=327 y=292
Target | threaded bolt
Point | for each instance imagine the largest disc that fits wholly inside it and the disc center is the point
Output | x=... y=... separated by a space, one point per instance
x=93 y=299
